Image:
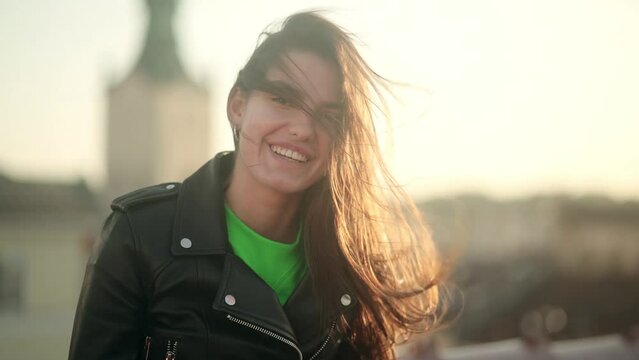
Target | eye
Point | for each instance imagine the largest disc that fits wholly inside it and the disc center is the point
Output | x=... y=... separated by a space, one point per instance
x=281 y=100
x=329 y=118
x=330 y=121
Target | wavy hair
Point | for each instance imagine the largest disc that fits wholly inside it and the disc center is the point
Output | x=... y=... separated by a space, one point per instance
x=361 y=230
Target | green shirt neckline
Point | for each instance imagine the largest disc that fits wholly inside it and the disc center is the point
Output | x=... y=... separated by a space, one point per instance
x=281 y=265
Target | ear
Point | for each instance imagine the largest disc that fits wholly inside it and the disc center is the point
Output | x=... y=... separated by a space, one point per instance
x=235 y=106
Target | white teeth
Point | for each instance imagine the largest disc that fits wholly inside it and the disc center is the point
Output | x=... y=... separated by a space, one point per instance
x=288 y=153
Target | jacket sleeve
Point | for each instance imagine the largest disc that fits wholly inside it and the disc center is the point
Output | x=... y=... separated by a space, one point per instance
x=110 y=313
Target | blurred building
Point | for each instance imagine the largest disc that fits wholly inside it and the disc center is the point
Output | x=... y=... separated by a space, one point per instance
x=45 y=235
x=594 y=231
x=482 y=230
x=158 y=117
x=598 y=238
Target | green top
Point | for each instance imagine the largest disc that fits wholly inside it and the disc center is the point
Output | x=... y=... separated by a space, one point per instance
x=280 y=265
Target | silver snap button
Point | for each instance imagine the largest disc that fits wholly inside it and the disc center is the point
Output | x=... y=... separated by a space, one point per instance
x=229 y=300
x=345 y=300
x=170 y=186
x=186 y=243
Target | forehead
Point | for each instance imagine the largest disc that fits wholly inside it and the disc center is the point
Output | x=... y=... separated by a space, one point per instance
x=317 y=78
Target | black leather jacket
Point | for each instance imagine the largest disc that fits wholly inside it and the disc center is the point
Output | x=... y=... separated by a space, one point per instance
x=163 y=283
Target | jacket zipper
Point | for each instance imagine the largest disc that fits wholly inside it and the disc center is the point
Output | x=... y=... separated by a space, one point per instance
x=171 y=350
x=266 y=332
x=328 y=337
x=281 y=338
x=147 y=347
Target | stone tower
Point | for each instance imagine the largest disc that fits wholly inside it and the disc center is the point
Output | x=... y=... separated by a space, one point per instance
x=158 y=117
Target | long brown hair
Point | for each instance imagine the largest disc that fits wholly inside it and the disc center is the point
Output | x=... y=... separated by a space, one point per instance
x=361 y=230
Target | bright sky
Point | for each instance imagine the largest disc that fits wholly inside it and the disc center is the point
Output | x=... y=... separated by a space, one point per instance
x=522 y=96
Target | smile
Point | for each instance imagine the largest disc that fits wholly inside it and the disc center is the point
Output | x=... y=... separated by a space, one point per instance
x=289 y=154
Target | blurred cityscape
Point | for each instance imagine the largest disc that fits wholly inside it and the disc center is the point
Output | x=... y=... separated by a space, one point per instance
x=546 y=271
x=543 y=277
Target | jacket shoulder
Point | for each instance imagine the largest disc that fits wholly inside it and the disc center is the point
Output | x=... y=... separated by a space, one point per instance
x=145 y=195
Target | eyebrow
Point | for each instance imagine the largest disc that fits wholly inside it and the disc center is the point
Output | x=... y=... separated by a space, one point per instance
x=279 y=87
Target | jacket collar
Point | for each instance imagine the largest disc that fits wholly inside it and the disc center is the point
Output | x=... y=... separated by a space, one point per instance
x=244 y=295
x=199 y=227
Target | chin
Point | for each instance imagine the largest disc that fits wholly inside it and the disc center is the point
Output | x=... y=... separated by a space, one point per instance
x=286 y=186
x=289 y=189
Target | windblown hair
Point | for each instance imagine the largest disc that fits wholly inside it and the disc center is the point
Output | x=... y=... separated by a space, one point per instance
x=361 y=230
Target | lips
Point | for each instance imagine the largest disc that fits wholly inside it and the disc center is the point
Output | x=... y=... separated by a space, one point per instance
x=289 y=153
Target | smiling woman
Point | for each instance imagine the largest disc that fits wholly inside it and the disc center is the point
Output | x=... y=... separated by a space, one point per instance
x=297 y=245
x=282 y=148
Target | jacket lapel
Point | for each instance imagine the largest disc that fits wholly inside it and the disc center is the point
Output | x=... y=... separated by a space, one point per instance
x=199 y=226
x=243 y=294
x=303 y=310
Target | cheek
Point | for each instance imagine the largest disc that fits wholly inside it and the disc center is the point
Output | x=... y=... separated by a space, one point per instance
x=325 y=143
x=260 y=121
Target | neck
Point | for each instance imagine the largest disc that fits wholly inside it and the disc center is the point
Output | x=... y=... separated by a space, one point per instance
x=268 y=212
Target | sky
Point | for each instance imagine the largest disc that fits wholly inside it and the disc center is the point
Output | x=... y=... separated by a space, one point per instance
x=509 y=98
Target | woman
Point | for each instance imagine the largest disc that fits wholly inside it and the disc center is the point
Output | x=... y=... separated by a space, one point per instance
x=298 y=245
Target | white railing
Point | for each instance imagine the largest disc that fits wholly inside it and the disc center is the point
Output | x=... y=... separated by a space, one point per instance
x=611 y=347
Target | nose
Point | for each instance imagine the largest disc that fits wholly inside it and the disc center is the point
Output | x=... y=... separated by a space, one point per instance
x=301 y=125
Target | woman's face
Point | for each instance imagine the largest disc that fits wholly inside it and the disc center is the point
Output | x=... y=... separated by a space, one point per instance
x=284 y=145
